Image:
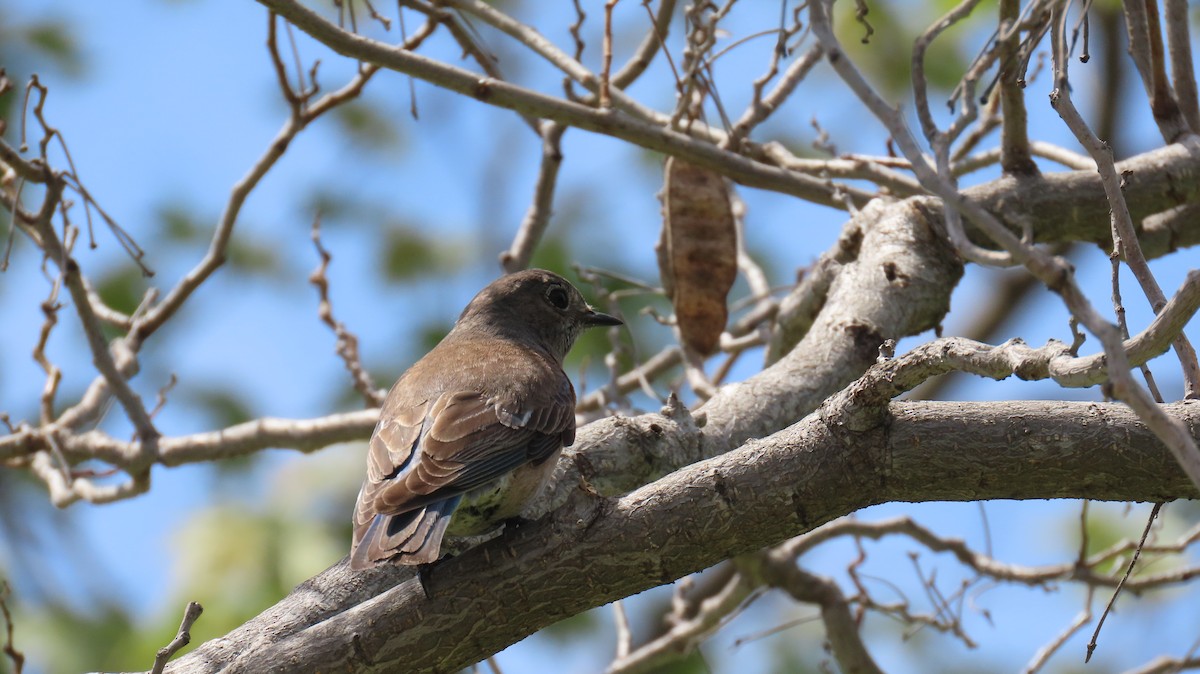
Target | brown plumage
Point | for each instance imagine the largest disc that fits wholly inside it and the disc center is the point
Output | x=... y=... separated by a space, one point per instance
x=480 y=420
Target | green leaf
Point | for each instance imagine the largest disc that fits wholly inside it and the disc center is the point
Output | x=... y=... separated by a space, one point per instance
x=180 y=225
x=54 y=39
x=253 y=257
x=368 y=127
x=122 y=288
x=407 y=254
x=225 y=407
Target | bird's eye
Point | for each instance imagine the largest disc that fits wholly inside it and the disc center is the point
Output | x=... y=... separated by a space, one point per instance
x=558 y=297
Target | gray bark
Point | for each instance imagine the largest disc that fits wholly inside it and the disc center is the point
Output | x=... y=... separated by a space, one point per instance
x=596 y=549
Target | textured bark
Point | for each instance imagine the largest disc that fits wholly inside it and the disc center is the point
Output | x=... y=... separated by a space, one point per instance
x=596 y=549
x=1071 y=206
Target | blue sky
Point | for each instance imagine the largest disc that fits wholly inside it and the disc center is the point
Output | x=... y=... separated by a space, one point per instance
x=178 y=102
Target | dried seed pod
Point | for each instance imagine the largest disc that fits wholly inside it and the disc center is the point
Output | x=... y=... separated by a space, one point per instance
x=697 y=252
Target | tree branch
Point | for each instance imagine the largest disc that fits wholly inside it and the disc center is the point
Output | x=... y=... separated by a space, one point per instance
x=597 y=549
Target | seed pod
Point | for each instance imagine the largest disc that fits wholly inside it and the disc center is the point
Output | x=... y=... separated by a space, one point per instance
x=697 y=252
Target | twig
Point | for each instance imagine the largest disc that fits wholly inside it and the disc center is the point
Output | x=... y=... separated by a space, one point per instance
x=537 y=218
x=690 y=625
x=1091 y=647
x=624 y=636
x=182 y=638
x=1124 y=237
x=347 y=342
x=1125 y=244
x=779 y=569
x=305 y=435
x=1167 y=665
x=638 y=377
x=1014 y=148
x=223 y=232
x=1053 y=361
x=761 y=107
x=653 y=43
x=1047 y=651
x=1183 y=74
x=1083 y=571
x=1052 y=271
x=616 y=122
x=606 y=56
x=528 y=37
x=1146 y=49
x=10 y=649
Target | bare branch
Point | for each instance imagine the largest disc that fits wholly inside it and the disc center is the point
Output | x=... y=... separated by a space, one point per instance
x=537 y=218
x=1052 y=271
x=688 y=632
x=1125 y=242
x=347 y=342
x=780 y=569
x=1046 y=652
x=1183 y=73
x=1015 y=151
x=652 y=44
x=10 y=650
x=182 y=638
x=1167 y=665
x=1146 y=48
x=830 y=472
x=614 y=122
x=1133 y=559
x=305 y=435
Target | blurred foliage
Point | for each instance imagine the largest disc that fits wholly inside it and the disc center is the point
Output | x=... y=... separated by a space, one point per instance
x=429 y=334
x=54 y=39
x=223 y=406
x=368 y=127
x=103 y=634
x=895 y=28
x=122 y=288
x=334 y=207
x=249 y=256
x=236 y=559
x=49 y=42
x=409 y=253
x=693 y=663
x=179 y=224
x=1108 y=525
x=27 y=522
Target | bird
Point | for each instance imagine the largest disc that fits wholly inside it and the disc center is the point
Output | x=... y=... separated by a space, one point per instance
x=479 y=421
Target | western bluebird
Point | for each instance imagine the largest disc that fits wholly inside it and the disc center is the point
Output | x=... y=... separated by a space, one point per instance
x=482 y=417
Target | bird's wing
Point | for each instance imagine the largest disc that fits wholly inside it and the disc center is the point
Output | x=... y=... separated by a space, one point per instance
x=458 y=442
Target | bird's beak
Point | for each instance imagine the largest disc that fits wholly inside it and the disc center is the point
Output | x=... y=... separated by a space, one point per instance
x=594 y=318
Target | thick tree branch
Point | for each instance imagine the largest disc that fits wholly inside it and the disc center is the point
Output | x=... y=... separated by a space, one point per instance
x=597 y=549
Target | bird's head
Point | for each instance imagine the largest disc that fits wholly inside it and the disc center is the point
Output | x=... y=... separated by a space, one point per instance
x=533 y=304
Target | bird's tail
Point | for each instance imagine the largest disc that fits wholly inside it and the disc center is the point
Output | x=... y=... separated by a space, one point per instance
x=413 y=537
